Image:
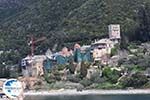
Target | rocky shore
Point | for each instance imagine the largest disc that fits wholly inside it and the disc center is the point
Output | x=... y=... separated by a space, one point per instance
x=87 y=92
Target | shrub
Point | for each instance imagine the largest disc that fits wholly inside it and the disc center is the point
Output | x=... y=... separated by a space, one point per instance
x=144 y=62
x=147 y=85
x=113 y=52
x=60 y=67
x=121 y=61
x=49 y=78
x=71 y=67
x=57 y=75
x=136 y=80
x=73 y=78
x=84 y=68
x=96 y=78
x=85 y=82
x=52 y=76
x=108 y=85
x=133 y=68
x=132 y=46
x=111 y=75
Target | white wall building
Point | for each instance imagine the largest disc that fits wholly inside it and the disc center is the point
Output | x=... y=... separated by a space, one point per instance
x=114 y=33
x=102 y=48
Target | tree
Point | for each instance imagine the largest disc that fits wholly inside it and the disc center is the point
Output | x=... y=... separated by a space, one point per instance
x=143 y=30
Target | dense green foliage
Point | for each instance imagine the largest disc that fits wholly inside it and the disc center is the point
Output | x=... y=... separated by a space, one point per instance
x=111 y=75
x=65 y=21
x=137 y=80
x=113 y=51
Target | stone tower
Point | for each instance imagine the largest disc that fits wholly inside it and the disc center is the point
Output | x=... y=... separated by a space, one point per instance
x=114 y=33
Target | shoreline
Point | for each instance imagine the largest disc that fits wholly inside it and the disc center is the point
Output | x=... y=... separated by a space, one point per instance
x=86 y=92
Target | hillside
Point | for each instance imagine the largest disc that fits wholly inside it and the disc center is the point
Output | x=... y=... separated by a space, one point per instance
x=42 y=18
x=63 y=21
x=11 y=7
x=95 y=15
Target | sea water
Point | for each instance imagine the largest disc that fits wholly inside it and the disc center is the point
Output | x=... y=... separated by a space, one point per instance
x=90 y=97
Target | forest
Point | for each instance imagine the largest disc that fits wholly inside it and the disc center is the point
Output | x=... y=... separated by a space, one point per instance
x=65 y=22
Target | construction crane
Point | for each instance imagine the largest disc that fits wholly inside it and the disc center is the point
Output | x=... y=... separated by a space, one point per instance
x=33 y=42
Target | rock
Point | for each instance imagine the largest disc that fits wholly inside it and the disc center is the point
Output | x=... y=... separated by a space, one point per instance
x=90 y=72
x=71 y=85
x=130 y=88
x=31 y=82
x=134 y=50
x=2 y=81
x=123 y=54
x=131 y=56
x=147 y=72
x=114 y=60
x=79 y=89
x=68 y=85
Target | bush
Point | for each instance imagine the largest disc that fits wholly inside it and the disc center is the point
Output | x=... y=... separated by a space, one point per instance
x=60 y=67
x=136 y=80
x=108 y=85
x=49 y=78
x=86 y=82
x=4 y=72
x=71 y=67
x=144 y=62
x=132 y=46
x=57 y=75
x=96 y=78
x=113 y=52
x=97 y=63
x=111 y=75
x=147 y=85
x=134 y=68
x=73 y=78
x=52 y=76
x=84 y=68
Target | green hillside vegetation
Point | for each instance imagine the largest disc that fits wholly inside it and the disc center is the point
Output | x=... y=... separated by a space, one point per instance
x=63 y=21
x=95 y=15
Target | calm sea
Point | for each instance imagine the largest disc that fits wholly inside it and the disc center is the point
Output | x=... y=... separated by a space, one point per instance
x=90 y=97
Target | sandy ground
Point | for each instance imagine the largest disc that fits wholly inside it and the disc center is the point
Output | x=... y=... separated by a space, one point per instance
x=87 y=92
